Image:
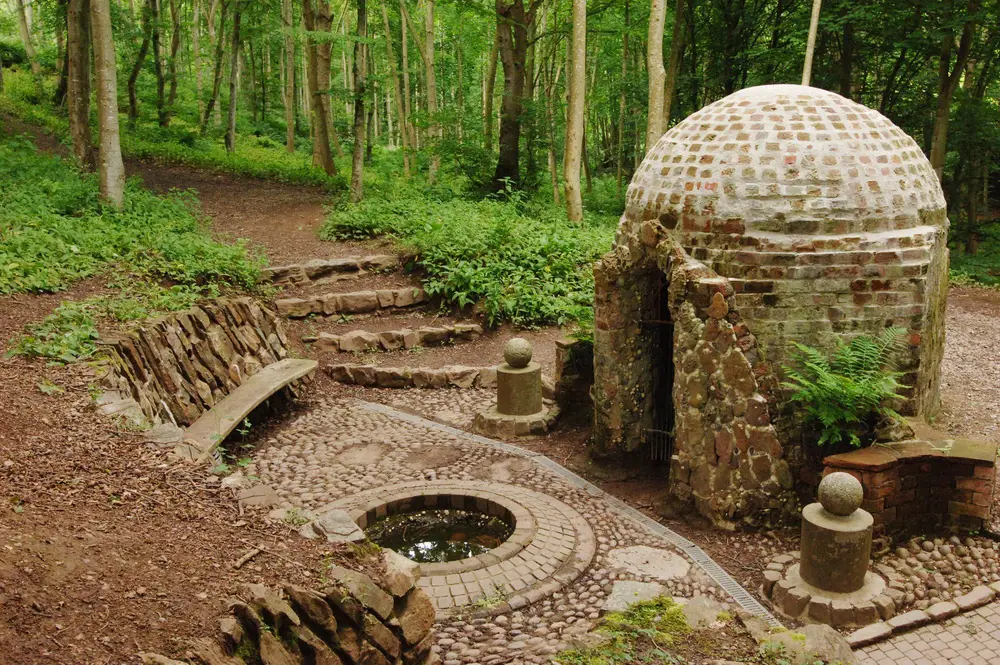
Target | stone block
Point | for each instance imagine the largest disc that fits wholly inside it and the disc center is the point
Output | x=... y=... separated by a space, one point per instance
x=337 y=527
x=876 y=632
x=359 y=302
x=295 y=308
x=391 y=339
x=358 y=340
x=272 y=652
x=401 y=574
x=328 y=342
x=411 y=338
x=414 y=616
x=820 y=609
x=408 y=297
x=314 y=649
x=865 y=613
x=270 y=606
x=978 y=597
x=941 y=611
x=432 y=335
x=909 y=620
x=795 y=602
x=461 y=377
x=362 y=588
x=841 y=613
x=386 y=298
x=885 y=605
x=382 y=637
x=392 y=377
x=313 y=609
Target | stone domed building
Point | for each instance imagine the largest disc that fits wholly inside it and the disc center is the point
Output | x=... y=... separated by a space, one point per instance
x=780 y=213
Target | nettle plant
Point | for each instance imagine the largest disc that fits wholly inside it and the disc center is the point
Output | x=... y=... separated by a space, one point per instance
x=848 y=393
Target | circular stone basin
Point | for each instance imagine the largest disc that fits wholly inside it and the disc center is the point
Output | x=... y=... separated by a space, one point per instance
x=437 y=536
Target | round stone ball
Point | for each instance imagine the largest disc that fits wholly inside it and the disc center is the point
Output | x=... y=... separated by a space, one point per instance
x=840 y=493
x=517 y=352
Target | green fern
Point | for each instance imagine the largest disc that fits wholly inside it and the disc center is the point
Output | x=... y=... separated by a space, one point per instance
x=846 y=393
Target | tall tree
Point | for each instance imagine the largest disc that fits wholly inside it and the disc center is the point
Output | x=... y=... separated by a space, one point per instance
x=574 y=113
x=357 y=161
x=397 y=94
x=488 y=91
x=140 y=59
x=78 y=40
x=111 y=167
x=432 y=104
x=674 y=64
x=949 y=76
x=317 y=20
x=234 y=78
x=513 y=19
x=657 y=74
x=199 y=82
x=175 y=44
x=161 y=101
x=29 y=46
x=288 y=94
x=218 y=37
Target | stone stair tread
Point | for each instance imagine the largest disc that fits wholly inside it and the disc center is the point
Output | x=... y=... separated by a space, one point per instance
x=218 y=422
x=351 y=302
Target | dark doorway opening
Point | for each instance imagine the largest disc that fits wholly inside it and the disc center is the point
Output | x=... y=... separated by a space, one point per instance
x=659 y=438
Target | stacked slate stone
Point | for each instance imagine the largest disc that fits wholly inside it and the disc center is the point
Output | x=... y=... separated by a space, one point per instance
x=354 y=621
x=176 y=367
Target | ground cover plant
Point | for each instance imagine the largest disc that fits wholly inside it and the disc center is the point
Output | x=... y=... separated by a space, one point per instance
x=520 y=261
x=155 y=252
x=849 y=393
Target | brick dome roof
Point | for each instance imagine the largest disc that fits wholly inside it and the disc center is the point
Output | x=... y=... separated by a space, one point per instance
x=781 y=162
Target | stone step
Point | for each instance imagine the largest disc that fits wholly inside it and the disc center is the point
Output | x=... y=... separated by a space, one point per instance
x=449 y=376
x=206 y=433
x=391 y=340
x=357 y=302
x=324 y=271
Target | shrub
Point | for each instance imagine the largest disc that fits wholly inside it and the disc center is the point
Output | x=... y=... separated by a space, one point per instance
x=847 y=393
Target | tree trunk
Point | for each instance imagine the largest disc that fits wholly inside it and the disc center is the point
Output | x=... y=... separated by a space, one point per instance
x=574 y=113
x=552 y=78
x=140 y=58
x=357 y=161
x=161 y=106
x=234 y=79
x=287 y=21
x=196 y=53
x=318 y=20
x=62 y=62
x=175 y=45
x=220 y=51
x=396 y=93
x=673 y=66
x=948 y=79
x=657 y=74
x=461 y=86
x=404 y=42
x=846 y=59
x=29 y=47
x=111 y=171
x=78 y=81
x=811 y=42
x=491 y=81
x=432 y=104
x=621 y=104
x=512 y=29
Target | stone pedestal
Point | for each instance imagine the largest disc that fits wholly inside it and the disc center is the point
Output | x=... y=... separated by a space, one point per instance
x=519 y=389
x=835 y=548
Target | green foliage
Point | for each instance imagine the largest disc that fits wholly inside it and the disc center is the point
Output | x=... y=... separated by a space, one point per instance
x=639 y=634
x=524 y=264
x=846 y=395
x=983 y=267
x=53 y=231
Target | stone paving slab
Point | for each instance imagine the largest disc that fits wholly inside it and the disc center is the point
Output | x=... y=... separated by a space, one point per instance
x=972 y=638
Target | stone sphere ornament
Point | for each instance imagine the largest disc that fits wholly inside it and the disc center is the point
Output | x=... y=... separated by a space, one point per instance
x=840 y=493
x=517 y=352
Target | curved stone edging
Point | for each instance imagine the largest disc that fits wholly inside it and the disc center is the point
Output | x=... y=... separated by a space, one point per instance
x=937 y=613
x=493 y=423
x=547 y=556
x=742 y=597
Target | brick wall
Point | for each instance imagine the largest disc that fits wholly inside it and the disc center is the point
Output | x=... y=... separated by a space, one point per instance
x=915 y=486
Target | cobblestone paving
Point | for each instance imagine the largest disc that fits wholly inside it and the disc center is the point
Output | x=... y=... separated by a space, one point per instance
x=972 y=638
x=340 y=449
x=457 y=408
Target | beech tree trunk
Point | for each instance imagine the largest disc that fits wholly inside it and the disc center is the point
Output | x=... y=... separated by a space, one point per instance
x=234 y=79
x=175 y=44
x=574 y=113
x=196 y=53
x=317 y=19
x=491 y=82
x=161 y=105
x=357 y=161
x=948 y=78
x=432 y=105
x=140 y=58
x=288 y=97
x=397 y=95
x=62 y=63
x=218 y=36
x=674 y=64
x=621 y=105
x=78 y=81
x=111 y=168
x=29 y=47
x=657 y=74
x=513 y=20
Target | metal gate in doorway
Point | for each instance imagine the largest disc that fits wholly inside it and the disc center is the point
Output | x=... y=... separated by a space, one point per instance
x=659 y=439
